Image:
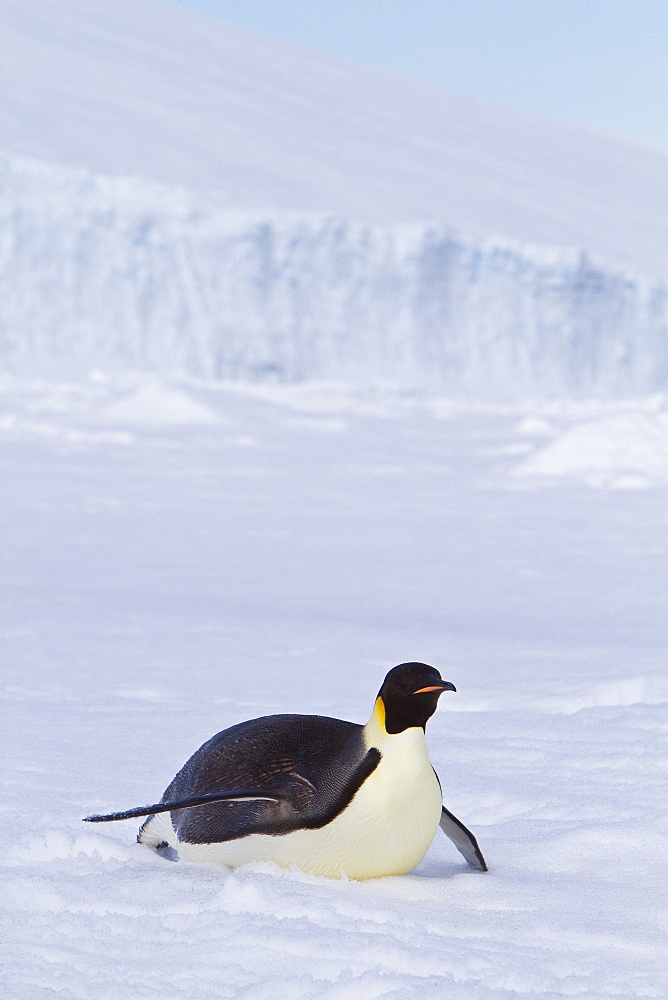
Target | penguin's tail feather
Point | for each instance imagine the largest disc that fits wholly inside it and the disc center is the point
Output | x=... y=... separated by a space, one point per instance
x=238 y=795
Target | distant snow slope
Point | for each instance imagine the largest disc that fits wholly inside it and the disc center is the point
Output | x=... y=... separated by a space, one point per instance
x=140 y=87
x=121 y=274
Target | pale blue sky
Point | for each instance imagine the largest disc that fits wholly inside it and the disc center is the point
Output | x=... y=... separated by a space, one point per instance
x=599 y=63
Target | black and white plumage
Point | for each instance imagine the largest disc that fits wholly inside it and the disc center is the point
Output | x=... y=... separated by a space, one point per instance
x=328 y=796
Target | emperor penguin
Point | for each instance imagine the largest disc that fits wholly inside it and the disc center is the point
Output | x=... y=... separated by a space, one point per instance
x=330 y=797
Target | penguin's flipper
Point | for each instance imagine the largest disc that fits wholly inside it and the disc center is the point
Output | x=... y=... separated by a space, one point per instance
x=463 y=840
x=239 y=795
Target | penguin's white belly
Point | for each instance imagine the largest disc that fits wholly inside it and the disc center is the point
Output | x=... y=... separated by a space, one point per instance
x=385 y=830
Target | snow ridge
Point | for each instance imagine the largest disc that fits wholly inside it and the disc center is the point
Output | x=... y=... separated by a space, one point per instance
x=127 y=274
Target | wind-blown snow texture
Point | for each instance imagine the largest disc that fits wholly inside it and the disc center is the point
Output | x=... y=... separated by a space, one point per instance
x=123 y=274
x=180 y=556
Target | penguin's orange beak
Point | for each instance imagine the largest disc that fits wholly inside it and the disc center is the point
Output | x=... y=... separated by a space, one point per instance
x=445 y=686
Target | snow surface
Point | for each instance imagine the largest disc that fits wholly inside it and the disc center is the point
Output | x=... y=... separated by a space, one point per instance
x=180 y=555
x=183 y=549
x=125 y=274
x=141 y=87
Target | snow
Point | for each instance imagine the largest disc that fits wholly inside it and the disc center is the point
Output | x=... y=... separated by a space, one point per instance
x=180 y=197
x=308 y=371
x=164 y=579
x=623 y=451
x=137 y=87
x=154 y=404
x=132 y=275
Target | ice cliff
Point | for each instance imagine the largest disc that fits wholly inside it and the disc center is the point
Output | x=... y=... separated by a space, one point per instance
x=117 y=273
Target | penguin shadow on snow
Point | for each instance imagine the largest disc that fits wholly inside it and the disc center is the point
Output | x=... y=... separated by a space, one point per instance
x=430 y=868
x=319 y=794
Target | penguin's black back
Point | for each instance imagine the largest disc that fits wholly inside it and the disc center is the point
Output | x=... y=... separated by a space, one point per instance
x=314 y=764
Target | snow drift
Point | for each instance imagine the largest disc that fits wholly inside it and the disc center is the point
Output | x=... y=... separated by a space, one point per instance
x=622 y=451
x=126 y=274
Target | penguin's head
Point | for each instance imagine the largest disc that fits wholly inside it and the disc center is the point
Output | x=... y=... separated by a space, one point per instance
x=410 y=694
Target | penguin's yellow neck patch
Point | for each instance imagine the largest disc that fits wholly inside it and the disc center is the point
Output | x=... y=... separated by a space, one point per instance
x=375 y=731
